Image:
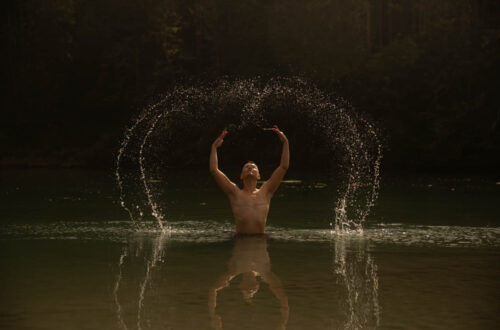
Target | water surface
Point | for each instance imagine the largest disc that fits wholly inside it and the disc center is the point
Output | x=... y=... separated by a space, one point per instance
x=72 y=259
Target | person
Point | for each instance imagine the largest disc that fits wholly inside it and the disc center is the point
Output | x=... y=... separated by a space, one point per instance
x=251 y=262
x=250 y=205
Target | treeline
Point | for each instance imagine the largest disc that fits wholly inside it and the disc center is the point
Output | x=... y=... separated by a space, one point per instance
x=426 y=71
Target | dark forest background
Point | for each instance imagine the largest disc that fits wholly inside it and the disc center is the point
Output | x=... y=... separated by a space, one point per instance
x=425 y=71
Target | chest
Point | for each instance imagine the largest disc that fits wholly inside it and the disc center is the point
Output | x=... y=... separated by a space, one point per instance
x=251 y=200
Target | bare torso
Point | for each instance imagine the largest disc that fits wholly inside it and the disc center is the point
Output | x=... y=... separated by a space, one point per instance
x=250 y=205
x=250 y=210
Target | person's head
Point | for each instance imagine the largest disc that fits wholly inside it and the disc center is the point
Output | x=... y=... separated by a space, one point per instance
x=249 y=286
x=250 y=169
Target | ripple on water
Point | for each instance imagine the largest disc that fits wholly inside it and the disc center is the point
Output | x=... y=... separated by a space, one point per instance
x=213 y=231
x=447 y=236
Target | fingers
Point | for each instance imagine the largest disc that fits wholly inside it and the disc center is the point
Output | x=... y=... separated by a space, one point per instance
x=277 y=130
x=219 y=139
x=280 y=133
x=224 y=133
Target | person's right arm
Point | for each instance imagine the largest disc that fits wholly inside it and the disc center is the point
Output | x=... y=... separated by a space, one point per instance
x=222 y=180
x=274 y=181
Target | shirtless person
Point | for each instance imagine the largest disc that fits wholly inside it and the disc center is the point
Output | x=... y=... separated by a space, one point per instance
x=250 y=205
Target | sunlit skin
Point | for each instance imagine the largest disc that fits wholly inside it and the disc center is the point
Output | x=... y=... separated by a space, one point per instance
x=250 y=205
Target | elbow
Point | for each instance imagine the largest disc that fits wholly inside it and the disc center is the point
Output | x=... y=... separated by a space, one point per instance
x=212 y=167
x=284 y=167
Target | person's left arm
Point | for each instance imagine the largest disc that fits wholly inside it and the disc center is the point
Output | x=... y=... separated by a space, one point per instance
x=221 y=283
x=277 y=289
x=274 y=181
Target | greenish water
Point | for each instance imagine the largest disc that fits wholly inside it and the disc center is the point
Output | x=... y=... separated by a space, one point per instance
x=71 y=258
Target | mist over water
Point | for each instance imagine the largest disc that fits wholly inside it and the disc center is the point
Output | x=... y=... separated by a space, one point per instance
x=154 y=141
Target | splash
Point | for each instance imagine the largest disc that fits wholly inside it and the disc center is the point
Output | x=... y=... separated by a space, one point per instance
x=210 y=231
x=154 y=207
x=155 y=140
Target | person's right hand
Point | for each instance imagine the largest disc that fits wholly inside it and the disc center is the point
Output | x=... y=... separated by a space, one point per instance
x=281 y=135
x=217 y=143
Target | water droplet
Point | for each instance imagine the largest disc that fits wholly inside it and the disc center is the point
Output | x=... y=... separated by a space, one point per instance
x=335 y=122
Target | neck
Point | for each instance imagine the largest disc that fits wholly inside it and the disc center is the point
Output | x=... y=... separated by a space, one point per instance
x=249 y=184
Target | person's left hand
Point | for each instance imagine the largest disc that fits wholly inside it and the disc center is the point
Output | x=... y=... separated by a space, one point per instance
x=281 y=135
x=218 y=142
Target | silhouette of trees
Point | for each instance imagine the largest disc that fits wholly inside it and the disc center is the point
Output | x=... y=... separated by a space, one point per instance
x=425 y=70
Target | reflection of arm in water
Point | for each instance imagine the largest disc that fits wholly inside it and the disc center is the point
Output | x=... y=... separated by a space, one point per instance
x=221 y=283
x=249 y=259
x=274 y=181
x=222 y=180
x=277 y=289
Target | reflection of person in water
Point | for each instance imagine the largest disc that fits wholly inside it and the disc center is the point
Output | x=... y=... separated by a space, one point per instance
x=250 y=259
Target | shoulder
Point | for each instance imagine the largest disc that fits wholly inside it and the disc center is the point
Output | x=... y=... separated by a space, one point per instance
x=236 y=191
x=264 y=190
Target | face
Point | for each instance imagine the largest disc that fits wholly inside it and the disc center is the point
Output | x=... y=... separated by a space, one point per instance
x=249 y=285
x=250 y=169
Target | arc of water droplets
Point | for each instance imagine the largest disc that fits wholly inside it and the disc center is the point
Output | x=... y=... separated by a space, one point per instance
x=154 y=208
x=249 y=110
x=376 y=169
x=313 y=98
x=342 y=222
x=126 y=140
x=122 y=149
x=341 y=208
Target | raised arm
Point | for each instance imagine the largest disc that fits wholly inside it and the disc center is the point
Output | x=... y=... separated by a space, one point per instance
x=222 y=180
x=273 y=183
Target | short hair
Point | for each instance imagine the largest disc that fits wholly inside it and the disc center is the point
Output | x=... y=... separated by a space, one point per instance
x=249 y=161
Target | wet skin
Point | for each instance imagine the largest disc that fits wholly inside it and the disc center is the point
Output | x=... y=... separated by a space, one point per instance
x=250 y=205
x=250 y=209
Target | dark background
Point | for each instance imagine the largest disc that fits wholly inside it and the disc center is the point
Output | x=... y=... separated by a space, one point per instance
x=425 y=71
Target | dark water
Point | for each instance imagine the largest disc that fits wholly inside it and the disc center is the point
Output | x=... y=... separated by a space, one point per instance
x=71 y=259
